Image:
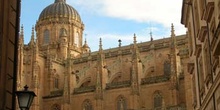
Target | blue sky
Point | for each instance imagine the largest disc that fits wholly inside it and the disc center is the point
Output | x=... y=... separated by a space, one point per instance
x=112 y=20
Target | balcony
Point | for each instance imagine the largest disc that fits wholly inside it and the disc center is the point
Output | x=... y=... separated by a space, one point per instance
x=121 y=84
x=84 y=89
x=190 y=67
x=55 y=93
x=156 y=79
x=216 y=49
x=202 y=33
x=198 y=50
x=208 y=80
x=215 y=64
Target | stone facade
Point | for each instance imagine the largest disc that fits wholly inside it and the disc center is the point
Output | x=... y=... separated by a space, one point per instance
x=9 y=32
x=66 y=75
x=201 y=18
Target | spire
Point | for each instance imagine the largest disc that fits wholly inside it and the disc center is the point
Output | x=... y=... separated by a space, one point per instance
x=22 y=31
x=56 y=1
x=100 y=44
x=173 y=59
x=32 y=33
x=135 y=41
x=172 y=30
x=21 y=38
x=32 y=37
x=151 y=36
x=173 y=39
x=85 y=42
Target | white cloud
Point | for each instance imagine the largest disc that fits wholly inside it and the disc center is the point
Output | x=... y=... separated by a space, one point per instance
x=163 y=12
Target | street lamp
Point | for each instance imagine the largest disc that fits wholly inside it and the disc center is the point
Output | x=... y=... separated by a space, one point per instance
x=25 y=98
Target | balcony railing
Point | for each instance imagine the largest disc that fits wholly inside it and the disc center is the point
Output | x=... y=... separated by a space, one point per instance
x=156 y=79
x=55 y=93
x=84 y=89
x=115 y=85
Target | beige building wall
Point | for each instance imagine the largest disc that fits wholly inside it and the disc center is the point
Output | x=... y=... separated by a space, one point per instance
x=201 y=18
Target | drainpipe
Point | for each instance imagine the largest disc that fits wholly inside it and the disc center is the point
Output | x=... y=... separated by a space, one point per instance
x=193 y=18
x=17 y=26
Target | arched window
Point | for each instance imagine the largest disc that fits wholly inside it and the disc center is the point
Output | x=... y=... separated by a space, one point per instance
x=76 y=39
x=87 y=105
x=158 y=99
x=46 y=36
x=167 y=68
x=56 y=107
x=56 y=82
x=121 y=103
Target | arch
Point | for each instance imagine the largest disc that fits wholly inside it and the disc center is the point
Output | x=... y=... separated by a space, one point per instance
x=115 y=76
x=56 y=81
x=121 y=103
x=87 y=105
x=46 y=38
x=56 y=107
x=85 y=82
x=158 y=99
x=149 y=71
x=167 y=67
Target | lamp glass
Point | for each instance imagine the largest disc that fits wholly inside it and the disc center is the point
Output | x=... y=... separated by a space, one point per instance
x=23 y=99
x=31 y=98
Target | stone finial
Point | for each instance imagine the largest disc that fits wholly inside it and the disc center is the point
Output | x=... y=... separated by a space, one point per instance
x=21 y=37
x=135 y=41
x=56 y=1
x=32 y=34
x=100 y=44
x=32 y=37
x=172 y=30
x=85 y=42
x=119 y=41
x=151 y=36
x=22 y=30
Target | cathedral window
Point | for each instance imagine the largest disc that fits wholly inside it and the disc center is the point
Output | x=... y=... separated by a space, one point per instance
x=76 y=39
x=46 y=36
x=157 y=100
x=121 y=103
x=56 y=82
x=167 y=69
x=56 y=107
x=87 y=105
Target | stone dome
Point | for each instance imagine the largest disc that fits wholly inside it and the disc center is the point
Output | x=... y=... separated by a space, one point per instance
x=59 y=9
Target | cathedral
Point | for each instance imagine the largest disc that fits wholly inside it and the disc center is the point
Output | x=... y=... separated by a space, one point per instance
x=65 y=75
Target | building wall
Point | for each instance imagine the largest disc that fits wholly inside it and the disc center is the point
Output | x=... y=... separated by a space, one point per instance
x=116 y=77
x=201 y=18
x=9 y=27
